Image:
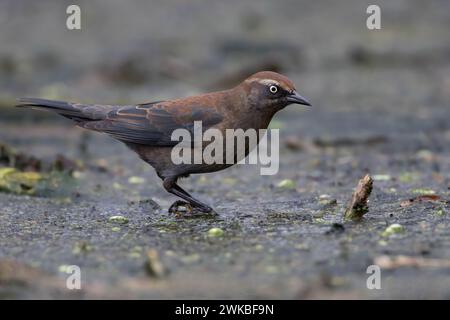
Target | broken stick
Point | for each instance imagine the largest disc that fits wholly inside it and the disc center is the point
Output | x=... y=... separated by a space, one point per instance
x=387 y=262
x=358 y=205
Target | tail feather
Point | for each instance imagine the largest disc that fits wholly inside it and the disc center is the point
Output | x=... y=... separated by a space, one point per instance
x=43 y=103
x=69 y=110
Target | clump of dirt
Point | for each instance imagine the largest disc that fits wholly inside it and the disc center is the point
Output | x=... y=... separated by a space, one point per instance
x=22 y=161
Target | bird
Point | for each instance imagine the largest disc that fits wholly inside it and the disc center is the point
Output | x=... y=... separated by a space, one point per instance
x=146 y=128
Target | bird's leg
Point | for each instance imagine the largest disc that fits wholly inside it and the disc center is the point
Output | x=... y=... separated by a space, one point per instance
x=171 y=186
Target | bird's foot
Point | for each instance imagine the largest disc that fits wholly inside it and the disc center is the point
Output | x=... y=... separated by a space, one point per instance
x=181 y=207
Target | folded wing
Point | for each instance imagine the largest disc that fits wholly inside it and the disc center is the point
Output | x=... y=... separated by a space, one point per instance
x=147 y=124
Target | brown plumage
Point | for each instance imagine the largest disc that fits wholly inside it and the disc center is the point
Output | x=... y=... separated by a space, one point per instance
x=147 y=128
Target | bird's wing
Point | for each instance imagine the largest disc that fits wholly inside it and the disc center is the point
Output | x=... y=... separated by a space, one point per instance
x=153 y=123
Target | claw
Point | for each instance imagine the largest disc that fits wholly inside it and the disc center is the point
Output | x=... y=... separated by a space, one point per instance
x=205 y=208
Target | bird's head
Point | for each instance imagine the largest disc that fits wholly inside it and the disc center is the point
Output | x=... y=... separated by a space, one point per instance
x=267 y=90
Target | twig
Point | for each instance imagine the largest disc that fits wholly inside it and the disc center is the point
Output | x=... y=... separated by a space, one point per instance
x=358 y=205
x=387 y=262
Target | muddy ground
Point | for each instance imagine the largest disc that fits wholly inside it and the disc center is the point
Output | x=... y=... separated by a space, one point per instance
x=381 y=106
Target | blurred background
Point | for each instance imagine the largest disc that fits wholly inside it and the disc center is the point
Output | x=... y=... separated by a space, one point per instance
x=381 y=104
x=152 y=50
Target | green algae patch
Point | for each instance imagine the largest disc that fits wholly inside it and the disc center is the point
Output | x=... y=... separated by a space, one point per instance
x=14 y=181
x=215 y=232
x=286 y=184
x=394 y=228
x=118 y=219
x=381 y=177
x=33 y=183
x=423 y=191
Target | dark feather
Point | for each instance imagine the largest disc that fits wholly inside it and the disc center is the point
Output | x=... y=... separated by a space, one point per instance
x=153 y=125
x=148 y=124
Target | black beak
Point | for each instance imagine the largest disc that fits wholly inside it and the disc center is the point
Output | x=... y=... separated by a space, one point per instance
x=294 y=97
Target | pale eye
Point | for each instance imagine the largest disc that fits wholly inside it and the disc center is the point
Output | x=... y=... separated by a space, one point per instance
x=273 y=89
